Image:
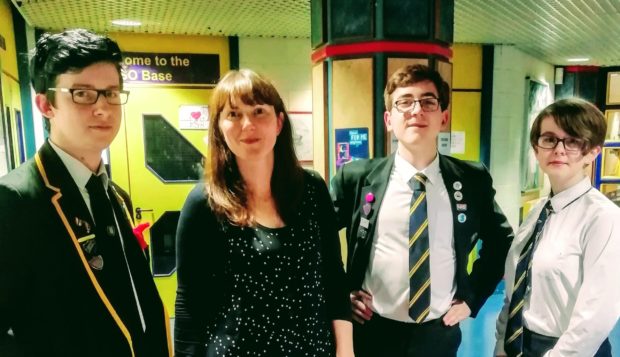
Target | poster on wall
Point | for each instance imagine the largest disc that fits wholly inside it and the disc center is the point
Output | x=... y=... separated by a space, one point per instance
x=302 y=135
x=351 y=145
x=537 y=97
x=194 y=117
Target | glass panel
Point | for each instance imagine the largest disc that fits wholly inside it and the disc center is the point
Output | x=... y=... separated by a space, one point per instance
x=613 y=88
x=611 y=163
x=168 y=154
x=163 y=243
x=613 y=125
x=612 y=191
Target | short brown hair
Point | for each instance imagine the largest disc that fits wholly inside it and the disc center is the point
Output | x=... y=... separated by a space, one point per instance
x=578 y=118
x=226 y=189
x=412 y=74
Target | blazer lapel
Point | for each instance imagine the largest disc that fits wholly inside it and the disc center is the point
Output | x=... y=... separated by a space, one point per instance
x=74 y=215
x=372 y=194
x=461 y=200
x=71 y=208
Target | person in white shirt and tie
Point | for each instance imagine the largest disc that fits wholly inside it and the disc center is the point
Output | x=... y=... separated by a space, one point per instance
x=562 y=290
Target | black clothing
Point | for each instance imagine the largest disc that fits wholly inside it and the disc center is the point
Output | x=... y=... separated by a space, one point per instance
x=380 y=337
x=55 y=303
x=259 y=291
x=484 y=222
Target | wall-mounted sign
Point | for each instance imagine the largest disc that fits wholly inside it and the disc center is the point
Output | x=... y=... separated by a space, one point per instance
x=351 y=145
x=194 y=117
x=172 y=69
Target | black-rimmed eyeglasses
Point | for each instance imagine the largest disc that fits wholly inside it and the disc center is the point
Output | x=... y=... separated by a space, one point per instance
x=407 y=105
x=570 y=144
x=90 y=96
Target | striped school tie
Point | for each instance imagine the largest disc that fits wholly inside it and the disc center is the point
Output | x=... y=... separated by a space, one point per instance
x=419 y=262
x=513 y=341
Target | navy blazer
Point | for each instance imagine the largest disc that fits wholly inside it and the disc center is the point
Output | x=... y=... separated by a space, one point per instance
x=49 y=296
x=485 y=222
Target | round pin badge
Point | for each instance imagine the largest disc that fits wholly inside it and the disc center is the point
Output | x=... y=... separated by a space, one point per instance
x=461 y=217
x=457 y=185
x=458 y=195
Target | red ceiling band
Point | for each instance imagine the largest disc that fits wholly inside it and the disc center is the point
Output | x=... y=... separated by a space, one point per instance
x=349 y=49
x=573 y=69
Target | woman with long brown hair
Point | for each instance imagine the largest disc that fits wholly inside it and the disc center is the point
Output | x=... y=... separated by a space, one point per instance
x=258 y=254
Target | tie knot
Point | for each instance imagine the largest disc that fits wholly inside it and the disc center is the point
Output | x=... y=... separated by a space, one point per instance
x=418 y=182
x=95 y=183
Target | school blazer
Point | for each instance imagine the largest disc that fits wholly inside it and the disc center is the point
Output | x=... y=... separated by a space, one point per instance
x=484 y=221
x=49 y=296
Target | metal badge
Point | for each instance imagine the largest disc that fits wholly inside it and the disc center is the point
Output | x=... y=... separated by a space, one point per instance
x=461 y=207
x=96 y=262
x=457 y=185
x=458 y=195
x=366 y=209
x=461 y=217
x=364 y=223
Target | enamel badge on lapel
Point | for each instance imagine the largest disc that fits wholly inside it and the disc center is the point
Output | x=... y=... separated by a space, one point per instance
x=457 y=185
x=366 y=210
x=458 y=195
x=461 y=207
x=461 y=218
x=81 y=223
x=96 y=262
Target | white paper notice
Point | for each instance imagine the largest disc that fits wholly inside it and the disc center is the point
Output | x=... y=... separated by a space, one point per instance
x=443 y=143
x=457 y=142
x=194 y=117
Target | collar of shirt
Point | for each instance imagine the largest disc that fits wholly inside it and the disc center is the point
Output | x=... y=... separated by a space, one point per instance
x=78 y=171
x=568 y=196
x=406 y=171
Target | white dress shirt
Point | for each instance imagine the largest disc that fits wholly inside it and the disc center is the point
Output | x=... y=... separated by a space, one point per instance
x=387 y=276
x=574 y=291
x=81 y=174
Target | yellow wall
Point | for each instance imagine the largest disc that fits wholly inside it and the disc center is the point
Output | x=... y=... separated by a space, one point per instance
x=352 y=99
x=127 y=151
x=8 y=66
x=8 y=56
x=467 y=75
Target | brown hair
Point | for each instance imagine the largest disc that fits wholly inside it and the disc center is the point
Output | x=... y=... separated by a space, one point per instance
x=412 y=74
x=578 y=118
x=225 y=187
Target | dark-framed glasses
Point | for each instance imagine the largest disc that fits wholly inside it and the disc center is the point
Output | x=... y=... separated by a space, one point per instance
x=407 y=105
x=90 y=96
x=570 y=144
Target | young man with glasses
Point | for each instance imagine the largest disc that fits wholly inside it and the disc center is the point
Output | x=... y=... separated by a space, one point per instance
x=411 y=221
x=74 y=281
x=562 y=288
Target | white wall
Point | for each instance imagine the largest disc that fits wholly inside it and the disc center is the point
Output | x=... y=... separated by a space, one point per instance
x=510 y=68
x=286 y=62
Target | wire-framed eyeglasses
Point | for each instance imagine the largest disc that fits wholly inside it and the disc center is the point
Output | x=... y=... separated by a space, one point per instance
x=407 y=105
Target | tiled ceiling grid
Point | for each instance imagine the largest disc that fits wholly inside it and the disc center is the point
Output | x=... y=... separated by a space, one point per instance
x=246 y=18
x=552 y=30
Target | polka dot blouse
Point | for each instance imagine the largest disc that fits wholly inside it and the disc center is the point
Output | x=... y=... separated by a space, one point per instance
x=260 y=291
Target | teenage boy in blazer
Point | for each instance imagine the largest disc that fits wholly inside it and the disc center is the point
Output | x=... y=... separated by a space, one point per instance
x=411 y=221
x=73 y=279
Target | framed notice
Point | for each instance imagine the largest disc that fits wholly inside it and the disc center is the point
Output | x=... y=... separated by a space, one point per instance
x=351 y=145
x=302 y=135
x=194 y=117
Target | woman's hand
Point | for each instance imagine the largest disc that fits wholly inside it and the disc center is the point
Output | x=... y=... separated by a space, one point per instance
x=360 y=305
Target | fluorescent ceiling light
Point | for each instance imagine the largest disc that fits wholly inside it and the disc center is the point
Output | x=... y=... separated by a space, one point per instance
x=578 y=59
x=126 y=22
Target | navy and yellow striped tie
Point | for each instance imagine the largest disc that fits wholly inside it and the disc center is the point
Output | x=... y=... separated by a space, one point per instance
x=419 y=262
x=513 y=341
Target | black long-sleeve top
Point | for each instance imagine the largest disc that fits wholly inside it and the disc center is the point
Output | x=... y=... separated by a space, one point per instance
x=246 y=291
